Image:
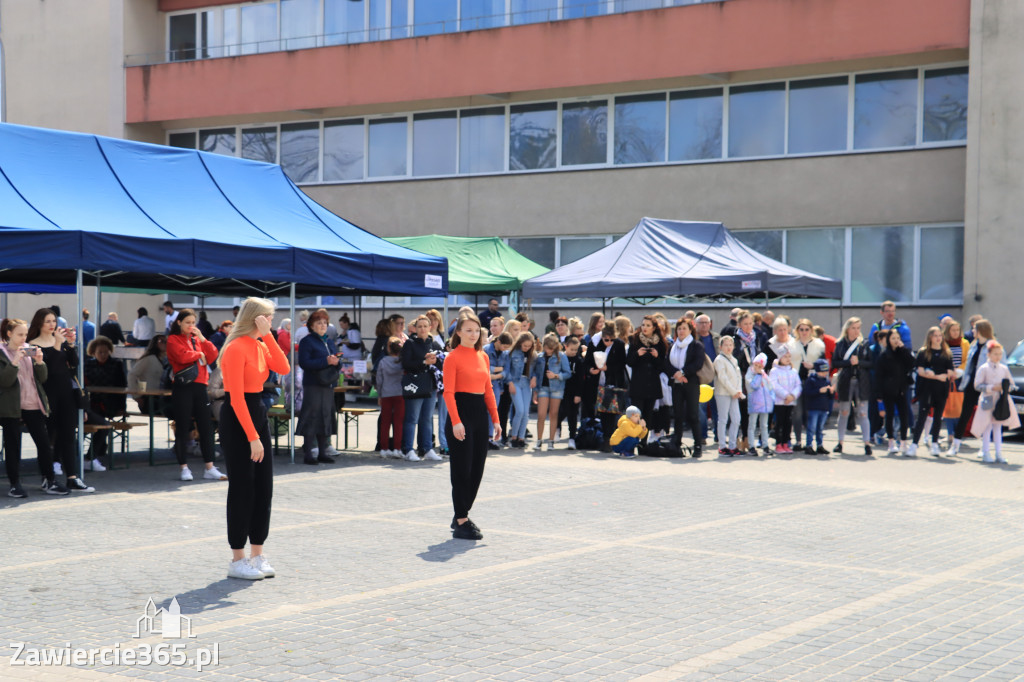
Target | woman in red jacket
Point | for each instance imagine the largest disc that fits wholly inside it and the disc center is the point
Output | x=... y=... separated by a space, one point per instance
x=470 y=400
x=190 y=354
x=250 y=353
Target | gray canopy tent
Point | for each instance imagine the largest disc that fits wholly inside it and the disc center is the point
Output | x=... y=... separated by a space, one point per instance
x=682 y=260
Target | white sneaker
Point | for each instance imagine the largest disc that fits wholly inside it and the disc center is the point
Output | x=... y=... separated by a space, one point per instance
x=1000 y=459
x=987 y=458
x=411 y=456
x=572 y=444
x=315 y=452
x=331 y=452
x=384 y=454
x=909 y=449
x=214 y=474
x=244 y=570
x=893 y=447
x=96 y=465
x=954 y=449
x=186 y=474
x=57 y=470
x=433 y=456
x=260 y=563
x=395 y=454
x=935 y=450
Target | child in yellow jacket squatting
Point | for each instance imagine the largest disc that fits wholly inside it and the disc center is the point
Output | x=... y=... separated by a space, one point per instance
x=631 y=430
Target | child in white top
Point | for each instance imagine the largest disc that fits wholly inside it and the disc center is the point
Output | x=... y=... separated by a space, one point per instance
x=787 y=387
x=988 y=381
x=728 y=393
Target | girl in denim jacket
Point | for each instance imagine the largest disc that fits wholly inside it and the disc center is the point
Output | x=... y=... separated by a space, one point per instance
x=549 y=375
x=520 y=386
x=760 y=402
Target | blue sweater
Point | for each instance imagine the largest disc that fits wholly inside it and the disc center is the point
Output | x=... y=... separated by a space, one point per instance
x=814 y=399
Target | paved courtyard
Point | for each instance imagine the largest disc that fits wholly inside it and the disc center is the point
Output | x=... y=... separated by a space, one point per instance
x=591 y=568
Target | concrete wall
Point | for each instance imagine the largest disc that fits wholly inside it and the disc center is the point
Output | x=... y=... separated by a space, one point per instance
x=994 y=240
x=856 y=189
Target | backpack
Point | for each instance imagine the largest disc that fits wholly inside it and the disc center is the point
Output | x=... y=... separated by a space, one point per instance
x=663 y=447
x=590 y=435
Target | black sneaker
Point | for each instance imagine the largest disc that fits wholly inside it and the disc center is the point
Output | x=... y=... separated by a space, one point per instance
x=79 y=485
x=696 y=452
x=310 y=459
x=469 y=522
x=809 y=450
x=17 y=491
x=54 y=488
x=467 y=531
x=491 y=445
x=821 y=450
x=867 y=449
x=752 y=452
x=326 y=459
x=838 y=448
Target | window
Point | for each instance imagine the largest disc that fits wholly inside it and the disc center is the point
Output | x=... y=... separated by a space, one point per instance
x=182 y=44
x=882 y=264
x=231 y=34
x=757 y=120
x=433 y=143
x=584 y=133
x=574 y=9
x=343 y=150
x=765 y=242
x=344 y=21
x=571 y=250
x=399 y=19
x=533 y=136
x=634 y=5
x=945 y=105
x=300 y=151
x=183 y=140
x=482 y=141
x=885 y=110
x=640 y=129
x=695 y=125
x=300 y=23
x=211 y=38
x=259 y=28
x=481 y=14
x=534 y=11
x=538 y=249
x=942 y=264
x=387 y=147
x=435 y=16
x=219 y=141
x=818 y=251
x=817 y=115
x=378 y=20
x=260 y=144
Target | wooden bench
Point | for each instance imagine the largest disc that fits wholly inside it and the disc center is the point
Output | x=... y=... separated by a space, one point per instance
x=278 y=414
x=351 y=415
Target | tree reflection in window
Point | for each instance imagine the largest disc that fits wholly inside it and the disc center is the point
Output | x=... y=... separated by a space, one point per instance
x=945 y=105
x=640 y=129
x=260 y=144
x=219 y=141
x=533 y=136
x=584 y=133
x=300 y=151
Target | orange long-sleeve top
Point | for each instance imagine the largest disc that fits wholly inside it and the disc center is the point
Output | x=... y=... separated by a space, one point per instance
x=468 y=371
x=245 y=364
x=183 y=350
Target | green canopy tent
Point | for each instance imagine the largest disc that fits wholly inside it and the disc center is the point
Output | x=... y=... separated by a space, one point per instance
x=476 y=265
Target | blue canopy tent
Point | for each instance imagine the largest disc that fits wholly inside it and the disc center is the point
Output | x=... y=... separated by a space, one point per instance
x=84 y=209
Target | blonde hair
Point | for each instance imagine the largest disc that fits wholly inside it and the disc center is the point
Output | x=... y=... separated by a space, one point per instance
x=850 y=321
x=245 y=323
x=513 y=327
x=551 y=341
x=623 y=327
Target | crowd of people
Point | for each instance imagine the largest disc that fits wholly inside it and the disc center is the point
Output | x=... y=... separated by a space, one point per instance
x=763 y=385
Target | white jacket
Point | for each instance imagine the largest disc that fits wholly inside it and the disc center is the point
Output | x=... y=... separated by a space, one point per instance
x=728 y=380
x=785 y=381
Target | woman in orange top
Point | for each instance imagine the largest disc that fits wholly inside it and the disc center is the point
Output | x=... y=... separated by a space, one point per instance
x=249 y=353
x=470 y=401
x=186 y=346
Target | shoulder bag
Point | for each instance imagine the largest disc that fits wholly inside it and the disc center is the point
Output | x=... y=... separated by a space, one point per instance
x=329 y=375
x=706 y=374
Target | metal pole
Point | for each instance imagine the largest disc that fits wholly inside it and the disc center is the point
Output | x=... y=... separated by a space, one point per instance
x=291 y=362
x=383 y=306
x=81 y=378
x=96 y=313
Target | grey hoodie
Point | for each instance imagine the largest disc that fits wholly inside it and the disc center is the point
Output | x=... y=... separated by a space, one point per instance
x=389 y=377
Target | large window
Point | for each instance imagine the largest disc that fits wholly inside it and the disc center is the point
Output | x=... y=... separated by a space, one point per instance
x=533 y=136
x=882 y=264
x=482 y=141
x=538 y=249
x=387 y=147
x=819 y=251
x=219 y=141
x=344 y=21
x=481 y=14
x=640 y=129
x=765 y=242
x=584 y=133
x=300 y=151
x=885 y=110
x=433 y=144
x=436 y=16
x=259 y=28
x=534 y=11
x=945 y=105
x=942 y=273
x=260 y=144
x=817 y=115
x=182 y=41
x=757 y=120
x=695 y=125
x=571 y=250
x=343 y=150
x=300 y=23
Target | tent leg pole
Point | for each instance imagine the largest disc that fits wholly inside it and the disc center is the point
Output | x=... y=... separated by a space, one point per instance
x=81 y=375
x=291 y=375
x=3 y=305
x=99 y=301
x=445 y=322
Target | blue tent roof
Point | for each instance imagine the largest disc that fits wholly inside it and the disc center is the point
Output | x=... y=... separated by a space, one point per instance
x=146 y=215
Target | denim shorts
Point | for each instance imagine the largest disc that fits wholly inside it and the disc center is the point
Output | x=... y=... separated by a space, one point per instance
x=546 y=392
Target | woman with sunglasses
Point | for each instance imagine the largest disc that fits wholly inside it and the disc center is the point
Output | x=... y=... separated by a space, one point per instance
x=809 y=349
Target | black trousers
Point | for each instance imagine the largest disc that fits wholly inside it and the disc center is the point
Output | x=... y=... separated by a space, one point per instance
x=504 y=405
x=686 y=409
x=250 y=484
x=191 y=402
x=467 y=457
x=569 y=410
x=927 y=400
x=647 y=411
x=36 y=424
x=970 y=402
x=783 y=424
x=893 y=402
x=62 y=426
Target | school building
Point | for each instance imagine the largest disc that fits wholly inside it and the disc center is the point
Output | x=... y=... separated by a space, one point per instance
x=876 y=141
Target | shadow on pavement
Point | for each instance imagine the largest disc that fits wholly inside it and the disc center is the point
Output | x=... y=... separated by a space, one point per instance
x=210 y=598
x=448 y=550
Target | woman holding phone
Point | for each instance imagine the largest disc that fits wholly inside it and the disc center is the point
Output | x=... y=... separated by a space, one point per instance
x=58 y=348
x=250 y=353
x=190 y=354
x=316 y=418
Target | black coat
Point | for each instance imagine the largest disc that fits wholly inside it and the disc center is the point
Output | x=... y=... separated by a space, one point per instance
x=645 y=384
x=415 y=350
x=577 y=377
x=893 y=370
x=615 y=367
x=847 y=371
x=693 y=361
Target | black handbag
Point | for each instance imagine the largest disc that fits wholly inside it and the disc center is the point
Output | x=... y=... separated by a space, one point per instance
x=1002 y=409
x=328 y=376
x=419 y=385
x=187 y=375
